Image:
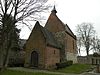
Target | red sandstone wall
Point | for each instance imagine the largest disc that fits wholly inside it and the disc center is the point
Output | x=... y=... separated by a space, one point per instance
x=36 y=42
x=70 y=44
x=52 y=57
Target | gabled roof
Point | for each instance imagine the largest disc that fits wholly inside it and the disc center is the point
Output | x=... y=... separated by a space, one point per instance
x=68 y=30
x=50 y=40
x=54 y=24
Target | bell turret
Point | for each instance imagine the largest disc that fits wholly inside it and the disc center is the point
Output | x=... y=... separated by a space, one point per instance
x=54 y=10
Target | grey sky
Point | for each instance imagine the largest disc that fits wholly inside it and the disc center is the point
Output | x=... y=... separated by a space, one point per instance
x=74 y=12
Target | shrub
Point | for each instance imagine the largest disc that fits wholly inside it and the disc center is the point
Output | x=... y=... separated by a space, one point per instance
x=69 y=63
x=64 y=64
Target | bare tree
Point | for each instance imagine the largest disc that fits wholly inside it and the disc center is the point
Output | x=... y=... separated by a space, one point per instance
x=79 y=46
x=96 y=44
x=21 y=11
x=85 y=34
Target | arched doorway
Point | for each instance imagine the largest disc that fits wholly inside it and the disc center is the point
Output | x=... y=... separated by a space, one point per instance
x=34 y=59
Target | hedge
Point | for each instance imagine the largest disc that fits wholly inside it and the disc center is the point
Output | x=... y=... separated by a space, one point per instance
x=64 y=64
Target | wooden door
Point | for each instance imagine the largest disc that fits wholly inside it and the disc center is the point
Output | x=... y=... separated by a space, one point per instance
x=34 y=59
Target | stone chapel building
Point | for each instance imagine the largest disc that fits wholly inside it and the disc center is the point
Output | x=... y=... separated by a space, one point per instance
x=51 y=44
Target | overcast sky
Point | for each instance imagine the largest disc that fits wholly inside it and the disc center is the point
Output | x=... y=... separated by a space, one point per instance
x=73 y=12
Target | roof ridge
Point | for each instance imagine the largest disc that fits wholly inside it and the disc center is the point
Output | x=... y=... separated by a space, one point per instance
x=69 y=29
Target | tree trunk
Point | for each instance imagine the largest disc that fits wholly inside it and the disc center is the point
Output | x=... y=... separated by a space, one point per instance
x=1 y=58
x=6 y=59
x=87 y=52
x=7 y=50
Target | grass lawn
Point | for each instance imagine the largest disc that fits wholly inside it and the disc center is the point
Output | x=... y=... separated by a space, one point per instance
x=75 y=68
x=13 y=72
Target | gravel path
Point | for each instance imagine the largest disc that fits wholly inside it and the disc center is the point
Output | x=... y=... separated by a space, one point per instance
x=45 y=71
x=90 y=74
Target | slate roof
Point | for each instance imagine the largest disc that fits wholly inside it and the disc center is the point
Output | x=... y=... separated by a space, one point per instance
x=68 y=30
x=50 y=40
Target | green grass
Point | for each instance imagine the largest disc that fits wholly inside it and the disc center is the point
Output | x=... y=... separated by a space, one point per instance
x=13 y=72
x=75 y=68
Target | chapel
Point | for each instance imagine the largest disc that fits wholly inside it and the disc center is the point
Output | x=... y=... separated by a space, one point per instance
x=54 y=43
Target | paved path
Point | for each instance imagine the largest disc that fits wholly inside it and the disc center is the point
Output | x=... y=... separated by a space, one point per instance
x=87 y=73
x=45 y=71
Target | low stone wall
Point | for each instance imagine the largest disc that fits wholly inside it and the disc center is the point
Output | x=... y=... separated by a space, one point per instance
x=90 y=60
x=82 y=59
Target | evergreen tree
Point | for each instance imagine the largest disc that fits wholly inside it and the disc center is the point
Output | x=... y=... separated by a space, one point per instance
x=9 y=37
